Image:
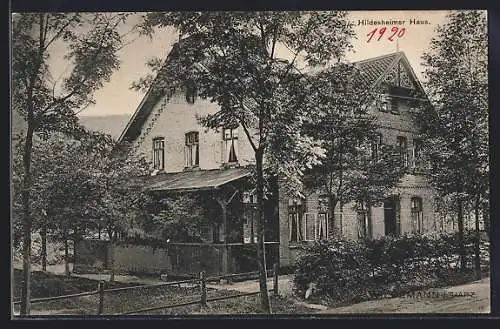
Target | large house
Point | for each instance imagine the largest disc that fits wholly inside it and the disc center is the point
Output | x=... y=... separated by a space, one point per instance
x=188 y=158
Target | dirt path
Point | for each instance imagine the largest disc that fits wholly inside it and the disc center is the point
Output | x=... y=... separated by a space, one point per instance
x=468 y=298
x=284 y=285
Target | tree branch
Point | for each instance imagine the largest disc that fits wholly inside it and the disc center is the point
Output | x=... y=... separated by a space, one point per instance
x=247 y=133
x=61 y=30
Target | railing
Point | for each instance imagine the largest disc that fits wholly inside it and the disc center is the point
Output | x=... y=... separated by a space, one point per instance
x=201 y=282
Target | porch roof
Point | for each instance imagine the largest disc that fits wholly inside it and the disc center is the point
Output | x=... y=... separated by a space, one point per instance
x=196 y=180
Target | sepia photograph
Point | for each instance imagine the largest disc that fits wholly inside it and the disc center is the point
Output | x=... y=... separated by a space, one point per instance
x=198 y=163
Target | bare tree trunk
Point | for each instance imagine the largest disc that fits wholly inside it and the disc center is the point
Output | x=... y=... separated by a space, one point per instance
x=332 y=202
x=27 y=152
x=112 y=262
x=477 y=241
x=261 y=249
x=112 y=256
x=461 y=242
x=27 y=220
x=66 y=254
x=486 y=217
x=369 y=230
x=43 y=234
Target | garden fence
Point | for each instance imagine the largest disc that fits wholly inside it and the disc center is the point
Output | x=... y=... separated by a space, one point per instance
x=201 y=281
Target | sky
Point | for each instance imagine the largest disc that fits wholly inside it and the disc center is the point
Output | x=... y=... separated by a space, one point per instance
x=116 y=97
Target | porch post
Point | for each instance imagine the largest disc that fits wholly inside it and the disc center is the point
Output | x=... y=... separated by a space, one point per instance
x=226 y=259
x=225 y=252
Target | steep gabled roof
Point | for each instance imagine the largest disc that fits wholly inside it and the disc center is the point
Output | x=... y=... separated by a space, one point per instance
x=153 y=95
x=373 y=72
x=378 y=69
x=373 y=69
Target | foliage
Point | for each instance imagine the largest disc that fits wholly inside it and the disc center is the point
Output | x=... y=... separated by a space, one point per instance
x=177 y=219
x=457 y=123
x=344 y=270
x=233 y=60
x=89 y=43
x=335 y=267
x=356 y=167
x=74 y=182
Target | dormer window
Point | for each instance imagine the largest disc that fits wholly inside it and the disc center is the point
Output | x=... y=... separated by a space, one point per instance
x=230 y=145
x=159 y=153
x=192 y=149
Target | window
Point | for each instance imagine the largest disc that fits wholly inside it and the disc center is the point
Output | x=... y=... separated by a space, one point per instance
x=392 y=215
x=364 y=230
x=376 y=143
x=417 y=215
x=394 y=105
x=309 y=226
x=192 y=149
x=230 y=145
x=417 y=153
x=295 y=216
x=384 y=104
x=159 y=153
x=403 y=151
x=322 y=219
x=322 y=226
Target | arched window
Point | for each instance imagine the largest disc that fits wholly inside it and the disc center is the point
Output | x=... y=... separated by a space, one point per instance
x=417 y=222
x=192 y=150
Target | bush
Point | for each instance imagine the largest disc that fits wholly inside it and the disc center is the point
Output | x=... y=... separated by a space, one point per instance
x=337 y=267
x=349 y=271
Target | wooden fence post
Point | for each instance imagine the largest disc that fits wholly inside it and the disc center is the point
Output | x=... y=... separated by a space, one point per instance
x=275 y=274
x=100 y=287
x=203 y=289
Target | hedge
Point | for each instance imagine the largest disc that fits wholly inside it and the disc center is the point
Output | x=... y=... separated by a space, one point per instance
x=351 y=271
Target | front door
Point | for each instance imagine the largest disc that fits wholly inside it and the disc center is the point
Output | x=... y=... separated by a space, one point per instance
x=391 y=216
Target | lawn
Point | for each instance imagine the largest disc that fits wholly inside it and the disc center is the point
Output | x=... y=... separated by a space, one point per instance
x=48 y=285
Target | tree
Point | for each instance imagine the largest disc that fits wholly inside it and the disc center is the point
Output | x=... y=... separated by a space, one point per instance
x=57 y=176
x=70 y=181
x=175 y=218
x=115 y=199
x=234 y=60
x=456 y=125
x=357 y=167
x=47 y=104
